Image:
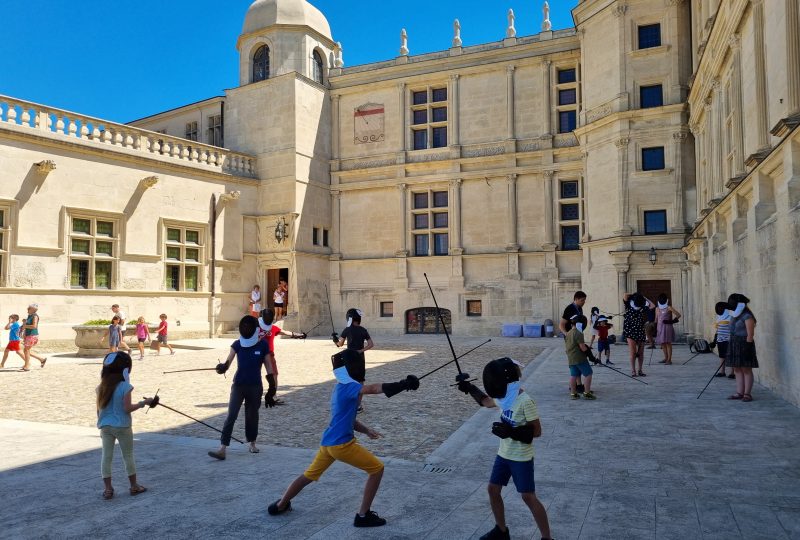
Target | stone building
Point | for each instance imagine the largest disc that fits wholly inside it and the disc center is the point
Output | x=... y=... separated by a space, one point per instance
x=613 y=156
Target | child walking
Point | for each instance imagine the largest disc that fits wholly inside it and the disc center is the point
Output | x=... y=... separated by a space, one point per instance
x=142 y=335
x=13 y=327
x=114 y=334
x=602 y=326
x=519 y=424
x=578 y=356
x=114 y=408
x=31 y=337
x=161 y=335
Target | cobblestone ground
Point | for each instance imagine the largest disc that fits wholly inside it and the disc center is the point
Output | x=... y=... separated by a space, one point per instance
x=414 y=424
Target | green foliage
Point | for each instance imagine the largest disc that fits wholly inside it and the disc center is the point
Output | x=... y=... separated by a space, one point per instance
x=97 y=322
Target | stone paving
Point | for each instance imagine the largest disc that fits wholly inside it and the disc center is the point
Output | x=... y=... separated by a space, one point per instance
x=643 y=461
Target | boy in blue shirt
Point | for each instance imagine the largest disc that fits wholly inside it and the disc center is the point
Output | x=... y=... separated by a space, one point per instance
x=338 y=441
x=13 y=327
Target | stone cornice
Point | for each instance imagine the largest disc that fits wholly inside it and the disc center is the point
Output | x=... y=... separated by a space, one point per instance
x=630 y=115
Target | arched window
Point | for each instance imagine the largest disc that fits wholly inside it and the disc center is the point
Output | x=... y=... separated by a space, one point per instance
x=318 y=67
x=261 y=64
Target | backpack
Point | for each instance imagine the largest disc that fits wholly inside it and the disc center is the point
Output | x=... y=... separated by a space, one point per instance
x=700 y=346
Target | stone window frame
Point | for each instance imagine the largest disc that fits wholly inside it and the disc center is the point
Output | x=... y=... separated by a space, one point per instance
x=257 y=47
x=7 y=220
x=318 y=69
x=644 y=209
x=191 y=130
x=215 y=134
x=431 y=230
x=556 y=93
x=562 y=223
x=382 y=303
x=641 y=147
x=315 y=236
x=429 y=106
x=639 y=24
x=470 y=303
x=183 y=245
x=93 y=237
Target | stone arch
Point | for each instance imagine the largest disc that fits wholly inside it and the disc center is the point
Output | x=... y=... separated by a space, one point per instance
x=319 y=67
x=261 y=46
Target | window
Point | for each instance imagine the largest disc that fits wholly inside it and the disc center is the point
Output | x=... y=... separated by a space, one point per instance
x=191 y=131
x=651 y=96
x=566 y=121
x=318 y=67
x=570 y=212
x=655 y=222
x=387 y=309
x=474 y=308
x=566 y=76
x=261 y=64
x=429 y=118
x=325 y=237
x=5 y=239
x=649 y=36
x=93 y=246
x=567 y=104
x=567 y=97
x=653 y=158
x=215 y=135
x=570 y=237
x=429 y=222
x=315 y=236
x=183 y=255
x=569 y=189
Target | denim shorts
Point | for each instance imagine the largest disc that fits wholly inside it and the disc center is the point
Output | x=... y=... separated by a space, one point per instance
x=580 y=369
x=602 y=345
x=521 y=471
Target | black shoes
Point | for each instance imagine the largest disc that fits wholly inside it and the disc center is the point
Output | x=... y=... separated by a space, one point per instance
x=273 y=509
x=497 y=534
x=370 y=519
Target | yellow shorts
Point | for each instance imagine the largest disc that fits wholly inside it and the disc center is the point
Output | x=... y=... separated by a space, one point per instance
x=351 y=453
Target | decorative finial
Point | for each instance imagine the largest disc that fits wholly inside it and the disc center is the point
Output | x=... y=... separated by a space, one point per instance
x=403 y=42
x=546 y=25
x=337 y=55
x=456 y=33
x=511 y=32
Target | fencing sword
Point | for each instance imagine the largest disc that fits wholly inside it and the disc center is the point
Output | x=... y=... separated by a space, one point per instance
x=157 y=401
x=709 y=380
x=461 y=375
x=692 y=358
x=187 y=370
x=621 y=373
x=328 y=298
x=451 y=361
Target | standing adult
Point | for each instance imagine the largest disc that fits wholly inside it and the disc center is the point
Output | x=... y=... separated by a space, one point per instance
x=666 y=317
x=633 y=329
x=31 y=337
x=279 y=299
x=122 y=318
x=255 y=301
x=742 y=352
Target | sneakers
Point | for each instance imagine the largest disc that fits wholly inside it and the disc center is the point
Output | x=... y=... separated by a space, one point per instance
x=589 y=395
x=273 y=509
x=573 y=395
x=370 y=519
x=609 y=363
x=216 y=455
x=497 y=534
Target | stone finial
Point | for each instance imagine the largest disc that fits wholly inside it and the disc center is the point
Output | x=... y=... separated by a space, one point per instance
x=149 y=181
x=546 y=25
x=337 y=55
x=456 y=33
x=46 y=166
x=403 y=42
x=511 y=32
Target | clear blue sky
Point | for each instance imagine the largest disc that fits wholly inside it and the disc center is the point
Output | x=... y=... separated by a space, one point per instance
x=123 y=60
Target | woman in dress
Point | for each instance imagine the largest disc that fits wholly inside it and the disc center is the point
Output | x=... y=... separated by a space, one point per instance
x=255 y=301
x=666 y=317
x=633 y=329
x=742 y=352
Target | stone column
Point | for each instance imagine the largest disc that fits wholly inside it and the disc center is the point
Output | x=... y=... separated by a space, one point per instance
x=678 y=219
x=402 y=251
x=336 y=223
x=622 y=280
x=401 y=100
x=687 y=309
x=622 y=185
x=455 y=217
x=336 y=126
x=452 y=113
x=549 y=221
x=762 y=119
x=793 y=56
x=736 y=90
x=547 y=90
x=510 y=102
x=511 y=223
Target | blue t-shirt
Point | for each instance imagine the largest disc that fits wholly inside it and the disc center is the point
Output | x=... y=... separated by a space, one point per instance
x=249 y=361
x=344 y=406
x=13 y=331
x=114 y=414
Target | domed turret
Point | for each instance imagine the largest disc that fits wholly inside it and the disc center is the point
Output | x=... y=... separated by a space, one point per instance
x=266 y=13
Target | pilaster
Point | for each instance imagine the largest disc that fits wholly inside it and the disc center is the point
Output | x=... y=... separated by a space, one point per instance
x=622 y=186
x=402 y=250
x=549 y=240
x=762 y=127
x=679 y=219
x=547 y=91
x=511 y=222
x=510 y=135
x=455 y=217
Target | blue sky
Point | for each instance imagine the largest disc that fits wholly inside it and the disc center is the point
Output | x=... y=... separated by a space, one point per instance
x=123 y=60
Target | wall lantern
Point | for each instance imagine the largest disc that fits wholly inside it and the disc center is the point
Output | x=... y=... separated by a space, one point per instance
x=653 y=256
x=280 y=230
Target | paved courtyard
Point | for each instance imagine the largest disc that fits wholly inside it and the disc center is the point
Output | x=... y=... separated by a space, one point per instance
x=643 y=461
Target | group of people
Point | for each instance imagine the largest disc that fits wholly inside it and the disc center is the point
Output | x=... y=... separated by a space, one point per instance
x=117 y=329
x=26 y=333
x=278 y=300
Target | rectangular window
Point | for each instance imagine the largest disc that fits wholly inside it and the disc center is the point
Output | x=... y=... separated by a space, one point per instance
x=419 y=98
x=429 y=118
x=569 y=189
x=183 y=256
x=440 y=220
x=429 y=222
x=566 y=121
x=570 y=237
x=315 y=236
x=93 y=246
x=440 y=244
x=439 y=95
x=215 y=131
x=655 y=222
x=387 y=309
x=570 y=212
x=420 y=139
x=420 y=200
x=474 y=308
x=566 y=76
x=421 y=245
x=440 y=199
x=567 y=97
x=651 y=96
x=653 y=158
x=649 y=36
x=420 y=117
x=325 y=237
x=439 y=137
x=421 y=221
x=440 y=114
x=191 y=131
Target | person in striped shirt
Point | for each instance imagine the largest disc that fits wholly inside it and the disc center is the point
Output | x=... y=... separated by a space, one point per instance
x=722 y=327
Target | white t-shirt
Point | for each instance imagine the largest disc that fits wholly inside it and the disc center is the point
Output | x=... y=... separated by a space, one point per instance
x=255 y=297
x=122 y=316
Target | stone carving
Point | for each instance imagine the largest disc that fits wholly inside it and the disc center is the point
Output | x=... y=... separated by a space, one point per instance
x=546 y=24
x=31 y=276
x=456 y=33
x=598 y=112
x=353 y=165
x=46 y=166
x=369 y=123
x=338 y=62
x=428 y=157
x=149 y=182
x=403 y=42
x=564 y=140
x=483 y=152
x=511 y=32
x=622 y=143
x=619 y=10
x=230 y=196
x=529 y=147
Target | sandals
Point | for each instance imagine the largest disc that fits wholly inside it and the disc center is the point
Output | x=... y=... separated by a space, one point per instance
x=642 y=373
x=736 y=396
x=747 y=397
x=44 y=362
x=731 y=376
x=253 y=449
x=108 y=494
x=137 y=489
x=633 y=374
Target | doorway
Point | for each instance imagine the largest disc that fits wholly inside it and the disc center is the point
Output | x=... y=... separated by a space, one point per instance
x=651 y=288
x=425 y=320
x=274 y=277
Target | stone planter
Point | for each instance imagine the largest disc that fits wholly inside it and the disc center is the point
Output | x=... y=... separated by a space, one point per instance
x=89 y=339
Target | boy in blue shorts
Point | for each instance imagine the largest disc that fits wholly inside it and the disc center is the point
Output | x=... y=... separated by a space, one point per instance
x=578 y=356
x=602 y=326
x=519 y=424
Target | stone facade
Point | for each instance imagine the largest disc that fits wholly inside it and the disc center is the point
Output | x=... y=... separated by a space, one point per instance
x=613 y=156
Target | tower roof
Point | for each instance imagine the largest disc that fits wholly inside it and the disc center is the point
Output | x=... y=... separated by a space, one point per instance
x=265 y=13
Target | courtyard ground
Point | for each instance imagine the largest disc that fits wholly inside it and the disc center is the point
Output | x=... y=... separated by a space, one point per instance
x=643 y=461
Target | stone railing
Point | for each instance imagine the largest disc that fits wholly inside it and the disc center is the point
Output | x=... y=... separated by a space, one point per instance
x=80 y=128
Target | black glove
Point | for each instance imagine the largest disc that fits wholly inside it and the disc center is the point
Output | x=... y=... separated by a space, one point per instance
x=476 y=393
x=523 y=434
x=222 y=368
x=272 y=389
x=155 y=402
x=501 y=429
x=392 y=389
x=591 y=357
x=335 y=338
x=302 y=336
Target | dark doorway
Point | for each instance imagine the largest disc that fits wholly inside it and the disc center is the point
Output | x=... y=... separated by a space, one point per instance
x=274 y=277
x=651 y=288
x=425 y=320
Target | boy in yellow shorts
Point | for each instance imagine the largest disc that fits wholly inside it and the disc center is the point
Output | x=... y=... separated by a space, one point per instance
x=338 y=441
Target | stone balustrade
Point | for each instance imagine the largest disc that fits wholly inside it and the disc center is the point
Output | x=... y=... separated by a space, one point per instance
x=81 y=128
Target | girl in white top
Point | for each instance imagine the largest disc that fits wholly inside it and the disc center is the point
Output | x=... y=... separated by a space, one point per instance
x=255 y=301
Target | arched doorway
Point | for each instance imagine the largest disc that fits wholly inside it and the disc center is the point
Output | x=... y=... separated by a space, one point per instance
x=425 y=320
